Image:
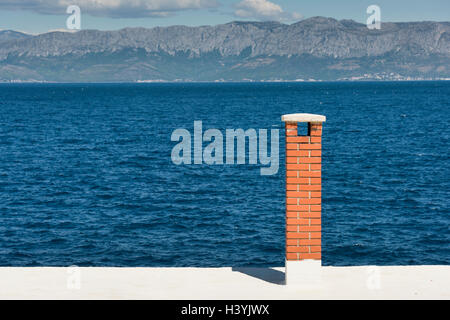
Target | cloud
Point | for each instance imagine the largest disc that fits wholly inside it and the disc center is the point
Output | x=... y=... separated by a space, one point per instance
x=263 y=10
x=110 y=8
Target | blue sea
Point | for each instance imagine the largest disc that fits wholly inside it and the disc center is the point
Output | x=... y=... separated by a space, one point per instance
x=86 y=176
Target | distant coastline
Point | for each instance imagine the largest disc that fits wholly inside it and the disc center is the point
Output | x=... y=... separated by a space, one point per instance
x=229 y=81
x=314 y=49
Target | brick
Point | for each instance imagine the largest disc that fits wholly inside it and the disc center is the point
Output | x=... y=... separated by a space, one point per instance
x=303 y=174
x=313 y=187
x=297 y=235
x=315 y=249
x=300 y=194
x=316 y=153
x=297 y=208
x=301 y=139
x=308 y=242
x=291 y=125
x=303 y=235
x=315 y=180
x=301 y=166
x=298 y=221
x=294 y=174
x=292 y=200
x=294 y=146
x=292 y=256
x=303 y=214
x=292 y=214
x=310 y=201
x=297 y=153
x=316 y=166
x=308 y=229
x=304 y=249
x=303 y=221
x=292 y=242
x=316 y=221
x=315 y=235
x=316 y=139
x=298 y=180
x=310 y=174
x=308 y=146
x=291 y=133
x=292 y=228
x=293 y=160
x=312 y=214
x=303 y=211
x=310 y=160
x=307 y=256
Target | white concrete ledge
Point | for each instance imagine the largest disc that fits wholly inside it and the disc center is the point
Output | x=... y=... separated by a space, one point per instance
x=303 y=117
x=402 y=282
x=306 y=273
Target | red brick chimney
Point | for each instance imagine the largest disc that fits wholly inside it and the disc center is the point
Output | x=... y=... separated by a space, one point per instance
x=303 y=199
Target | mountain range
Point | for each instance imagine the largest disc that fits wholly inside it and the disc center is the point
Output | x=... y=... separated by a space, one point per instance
x=315 y=48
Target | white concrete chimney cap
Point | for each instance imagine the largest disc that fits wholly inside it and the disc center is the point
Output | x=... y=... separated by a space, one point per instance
x=303 y=117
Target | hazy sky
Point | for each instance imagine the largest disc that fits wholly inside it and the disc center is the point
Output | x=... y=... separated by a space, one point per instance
x=36 y=16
